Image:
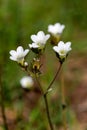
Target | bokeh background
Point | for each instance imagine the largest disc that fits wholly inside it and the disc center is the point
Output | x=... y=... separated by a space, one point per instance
x=18 y=20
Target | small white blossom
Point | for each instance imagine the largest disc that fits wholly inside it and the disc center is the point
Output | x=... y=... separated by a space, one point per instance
x=27 y=82
x=39 y=40
x=19 y=54
x=62 y=49
x=56 y=29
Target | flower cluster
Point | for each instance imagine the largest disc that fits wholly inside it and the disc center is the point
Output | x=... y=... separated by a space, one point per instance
x=33 y=69
x=38 y=46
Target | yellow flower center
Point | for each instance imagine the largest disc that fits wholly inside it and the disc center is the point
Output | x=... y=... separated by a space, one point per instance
x=62 y=52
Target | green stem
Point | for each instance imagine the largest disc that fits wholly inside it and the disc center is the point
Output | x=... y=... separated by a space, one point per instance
x=57 y=73
x=46 y=103
x=39 y=85
x=47 y=111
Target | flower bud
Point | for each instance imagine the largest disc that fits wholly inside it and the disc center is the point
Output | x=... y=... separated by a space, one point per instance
x=27 y=82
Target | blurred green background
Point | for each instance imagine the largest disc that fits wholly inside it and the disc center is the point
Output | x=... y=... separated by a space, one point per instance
x=21 y=18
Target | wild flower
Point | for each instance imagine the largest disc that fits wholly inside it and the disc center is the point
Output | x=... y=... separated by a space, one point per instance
x=62 y=49
x=19 y=54
x=39 y=40
x=56 y=28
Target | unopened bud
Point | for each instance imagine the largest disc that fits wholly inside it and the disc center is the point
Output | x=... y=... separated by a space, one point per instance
x=25 y=64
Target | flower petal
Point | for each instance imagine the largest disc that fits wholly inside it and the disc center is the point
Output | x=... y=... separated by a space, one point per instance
x=40 y=34
x=47 y=37
x=56 y=49
x=33 y=45
x=61 y=44
x=13 y=58
x=34 y=38
x=68 y=44
x=20 y=49
x=41 y=37
x=12 y=52
x=26 y=52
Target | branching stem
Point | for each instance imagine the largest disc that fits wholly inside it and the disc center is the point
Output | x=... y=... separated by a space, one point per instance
x=57 y=73
x=45 y=94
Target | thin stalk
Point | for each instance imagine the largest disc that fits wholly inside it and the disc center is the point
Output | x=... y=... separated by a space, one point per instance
x=47 y=111
x=46 y=103
x=39 y=85
x=57 y=73
x=45 y=96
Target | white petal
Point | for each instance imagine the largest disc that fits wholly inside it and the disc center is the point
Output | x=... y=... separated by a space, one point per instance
x=56 y=49
x=68 y=44
x=51 y=29
x=41 y=37
x=13 y=52
x=30 y=45
x=57 y=24
x=33 y=45
x=40 y=34
x=60 y=29
x=26 y=52
x=61 y=44
x=13 y=58
x=47 y=36
x=20 y=49
x=34 y=38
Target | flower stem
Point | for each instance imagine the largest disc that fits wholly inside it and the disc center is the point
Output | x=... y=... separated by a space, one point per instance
x=45 y=97
x=57 y=73
x=46 y=103
x=47 y=111
x=39 y=85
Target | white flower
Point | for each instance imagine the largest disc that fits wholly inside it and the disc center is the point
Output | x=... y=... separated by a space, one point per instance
x=56 y=29
x=27 y=82
x=62 y=49
x=39 y=40
x=19 y=54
